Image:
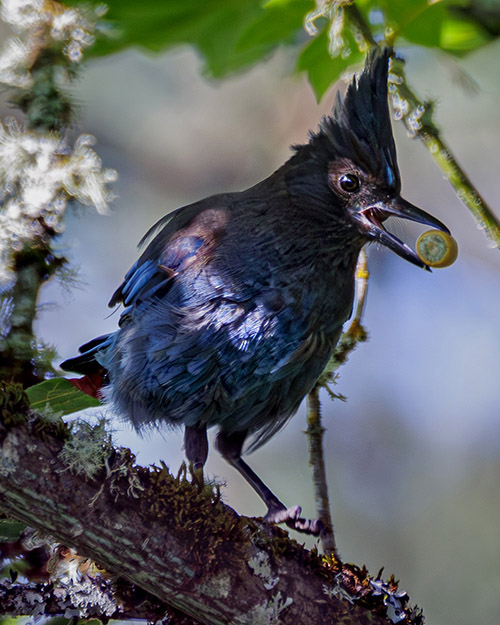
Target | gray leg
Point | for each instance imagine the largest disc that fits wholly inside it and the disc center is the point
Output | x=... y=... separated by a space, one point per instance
x=196 y=446
x=230 y=446
x=196 y=449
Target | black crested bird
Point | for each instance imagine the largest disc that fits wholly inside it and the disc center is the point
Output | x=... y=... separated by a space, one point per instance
x=233 y=309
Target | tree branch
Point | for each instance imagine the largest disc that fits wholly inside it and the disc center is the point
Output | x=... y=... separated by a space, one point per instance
x=177 y=542
x=90 y=598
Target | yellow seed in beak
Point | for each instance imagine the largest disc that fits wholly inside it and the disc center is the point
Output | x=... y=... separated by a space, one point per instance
x=437 y=249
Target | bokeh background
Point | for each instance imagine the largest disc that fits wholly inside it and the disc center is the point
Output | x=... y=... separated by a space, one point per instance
x=414 y=453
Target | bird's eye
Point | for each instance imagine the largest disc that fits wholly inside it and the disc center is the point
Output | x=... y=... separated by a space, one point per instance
x=349 y=183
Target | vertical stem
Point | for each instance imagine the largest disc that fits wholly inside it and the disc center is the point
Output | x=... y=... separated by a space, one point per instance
x=315 y=433
x=17 y=355
x=359 y=22
x=46 y=108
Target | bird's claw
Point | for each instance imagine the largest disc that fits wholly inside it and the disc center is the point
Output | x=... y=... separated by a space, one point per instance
x=291 y=516
x=309 y=526
x=283 y=515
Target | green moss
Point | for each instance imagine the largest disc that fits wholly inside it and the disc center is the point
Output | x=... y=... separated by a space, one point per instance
x=193 y=511
x=51 y=425
x=14 y=405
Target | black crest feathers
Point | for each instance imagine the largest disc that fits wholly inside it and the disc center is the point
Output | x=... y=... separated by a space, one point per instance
x=359 y=126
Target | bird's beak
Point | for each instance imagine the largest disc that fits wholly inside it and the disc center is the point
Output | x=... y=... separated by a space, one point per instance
x=370 y=223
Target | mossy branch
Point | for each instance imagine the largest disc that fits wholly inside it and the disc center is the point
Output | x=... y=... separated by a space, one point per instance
x=175 y=541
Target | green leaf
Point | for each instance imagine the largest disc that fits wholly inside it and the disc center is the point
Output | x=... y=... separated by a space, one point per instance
x=60 y=396
x=281 y=23
x=10 y=530
x=61 y=620
x=400 y=12
x=323 y=70
x=436 y=26
x=235 y=34
x=455 y=26
x=230 y=34
x=425 y=28
x=462 y=36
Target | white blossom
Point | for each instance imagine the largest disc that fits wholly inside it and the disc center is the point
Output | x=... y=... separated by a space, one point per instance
x=39 y=24
x=23 y=14
x=83 y=178
x=14 y=61
x=38 y=176
x=39 y=173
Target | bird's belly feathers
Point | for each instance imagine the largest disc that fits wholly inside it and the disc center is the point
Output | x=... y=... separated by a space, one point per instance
x=241 y=365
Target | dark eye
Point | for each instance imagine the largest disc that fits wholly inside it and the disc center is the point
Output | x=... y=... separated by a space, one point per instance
x=349 y=183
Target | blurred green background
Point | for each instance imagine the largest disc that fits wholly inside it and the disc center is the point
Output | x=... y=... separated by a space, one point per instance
x=414 y=454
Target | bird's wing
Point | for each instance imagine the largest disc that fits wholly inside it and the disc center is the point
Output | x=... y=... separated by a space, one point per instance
x=188 y=234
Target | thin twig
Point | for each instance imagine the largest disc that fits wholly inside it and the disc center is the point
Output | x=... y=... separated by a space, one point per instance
x=355 y=334
x=359 y=23
x=315 y=431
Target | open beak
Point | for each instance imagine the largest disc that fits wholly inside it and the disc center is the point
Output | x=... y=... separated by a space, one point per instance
x=370 y=222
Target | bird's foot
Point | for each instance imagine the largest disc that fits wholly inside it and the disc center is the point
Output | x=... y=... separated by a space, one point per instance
x=291 y=516
x=197 y=477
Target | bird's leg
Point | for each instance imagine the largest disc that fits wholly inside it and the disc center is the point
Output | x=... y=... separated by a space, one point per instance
x=196 y=449
x=230 y=446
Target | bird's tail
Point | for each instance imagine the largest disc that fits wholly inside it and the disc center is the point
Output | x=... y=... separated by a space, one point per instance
x=95 y=375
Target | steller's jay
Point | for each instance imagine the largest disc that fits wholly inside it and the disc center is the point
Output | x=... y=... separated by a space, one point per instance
x=233 y=309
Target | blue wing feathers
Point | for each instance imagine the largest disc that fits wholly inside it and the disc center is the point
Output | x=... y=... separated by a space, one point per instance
x=136 y=280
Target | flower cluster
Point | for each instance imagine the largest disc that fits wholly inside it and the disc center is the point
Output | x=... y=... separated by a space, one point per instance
x=38 y=176
x=41 y=24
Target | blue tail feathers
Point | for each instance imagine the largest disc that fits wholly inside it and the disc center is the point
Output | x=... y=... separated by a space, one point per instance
x=86 y=363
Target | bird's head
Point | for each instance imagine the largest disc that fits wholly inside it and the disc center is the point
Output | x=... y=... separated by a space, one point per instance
x=355 y=155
